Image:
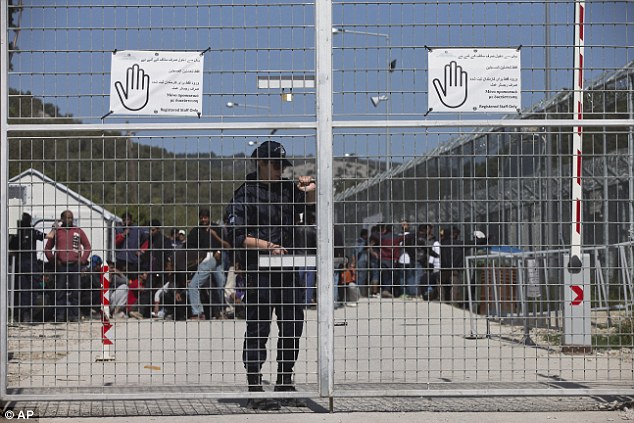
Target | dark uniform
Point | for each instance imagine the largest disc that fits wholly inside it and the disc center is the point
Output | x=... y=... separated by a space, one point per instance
x=29 y=268
x=268 y=211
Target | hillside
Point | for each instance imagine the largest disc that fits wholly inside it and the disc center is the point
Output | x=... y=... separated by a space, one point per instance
x=151 y=182
x=117 y=173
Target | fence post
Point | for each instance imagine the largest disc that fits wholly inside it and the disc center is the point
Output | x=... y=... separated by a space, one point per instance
x=325 y=209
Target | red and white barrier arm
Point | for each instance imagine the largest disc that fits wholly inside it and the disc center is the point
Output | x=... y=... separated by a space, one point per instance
x=577 y=139
x=106 y=326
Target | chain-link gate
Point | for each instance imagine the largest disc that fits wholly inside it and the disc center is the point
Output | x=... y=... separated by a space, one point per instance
x=436 y=260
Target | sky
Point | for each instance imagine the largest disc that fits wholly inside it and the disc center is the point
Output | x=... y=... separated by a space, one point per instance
x=66 y=49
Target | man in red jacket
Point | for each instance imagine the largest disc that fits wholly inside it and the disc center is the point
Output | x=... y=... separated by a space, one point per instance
x=72 y=249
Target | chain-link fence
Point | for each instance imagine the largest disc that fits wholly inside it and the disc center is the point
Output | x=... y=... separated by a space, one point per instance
x=433 y=262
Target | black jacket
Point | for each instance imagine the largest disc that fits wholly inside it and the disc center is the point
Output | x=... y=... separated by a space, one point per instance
x=267 y=211
x=24 y=244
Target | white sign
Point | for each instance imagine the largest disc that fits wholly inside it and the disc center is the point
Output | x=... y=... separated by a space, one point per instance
x=156 y=83
x=474 y=80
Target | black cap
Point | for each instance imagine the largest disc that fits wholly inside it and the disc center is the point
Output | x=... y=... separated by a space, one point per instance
x=271 y=150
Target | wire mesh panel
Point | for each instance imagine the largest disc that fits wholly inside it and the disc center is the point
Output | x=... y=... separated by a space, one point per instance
x=458 y=234
x=150 y=200
x=447 y=260
x=158 y=337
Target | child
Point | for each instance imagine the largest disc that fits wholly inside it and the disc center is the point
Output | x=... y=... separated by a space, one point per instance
x=347 y=284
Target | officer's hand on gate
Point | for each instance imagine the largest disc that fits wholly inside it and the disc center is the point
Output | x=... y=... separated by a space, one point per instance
x=277 y=250
x=306 y=183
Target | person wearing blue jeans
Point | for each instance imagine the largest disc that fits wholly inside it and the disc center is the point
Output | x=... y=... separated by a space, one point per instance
x=204 y=243
x=305 y=242
x=308 y=275
x=209 y=270
x=407 y=279
x=219 y=279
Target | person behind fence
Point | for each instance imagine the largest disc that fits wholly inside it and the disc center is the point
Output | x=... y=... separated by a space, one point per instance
x=181 y=275
x=175 y=238
x=90 y=296
x=118 y=293
x=164 y=300
x=205 y=244
x=28 y=268
x=452 y=264
x=128 y=240
x=156 y=249
x=426 y=257
x=361 y=262
x=407 y=261
x=72 y=249
x=260 y=220
x=348 y=289
x=182 y=238
x=390 y=252
x=434 y=268
x=374 y=262
x=124 y=298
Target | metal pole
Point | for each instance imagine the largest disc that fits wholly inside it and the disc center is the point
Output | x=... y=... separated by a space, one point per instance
x=523 y=291
x=11 y=291
x=388 y=139
x=630 y=145
x=550 y=218
x=550 y=215
x=325 y=220
x=547 y=49
x=387 y=132
x=4 y=173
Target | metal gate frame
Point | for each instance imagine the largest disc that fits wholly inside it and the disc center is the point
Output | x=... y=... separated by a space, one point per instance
x=324 y=127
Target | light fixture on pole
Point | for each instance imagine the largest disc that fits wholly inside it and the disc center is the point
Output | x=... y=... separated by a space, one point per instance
x=232 y=104
x=376 y=100
x=339 y=30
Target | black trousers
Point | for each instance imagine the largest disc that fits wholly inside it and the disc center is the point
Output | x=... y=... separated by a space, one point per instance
x=67 y=282
x=269 y=291
x=29 y=287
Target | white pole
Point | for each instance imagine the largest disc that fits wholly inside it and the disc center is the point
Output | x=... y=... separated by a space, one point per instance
x=577 y=139
x=577 y=323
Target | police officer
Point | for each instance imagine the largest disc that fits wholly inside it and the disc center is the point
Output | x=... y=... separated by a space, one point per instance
x=29 y=268
x=260 y=220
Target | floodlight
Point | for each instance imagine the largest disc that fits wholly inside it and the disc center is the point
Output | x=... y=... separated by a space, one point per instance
x=376 y=100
